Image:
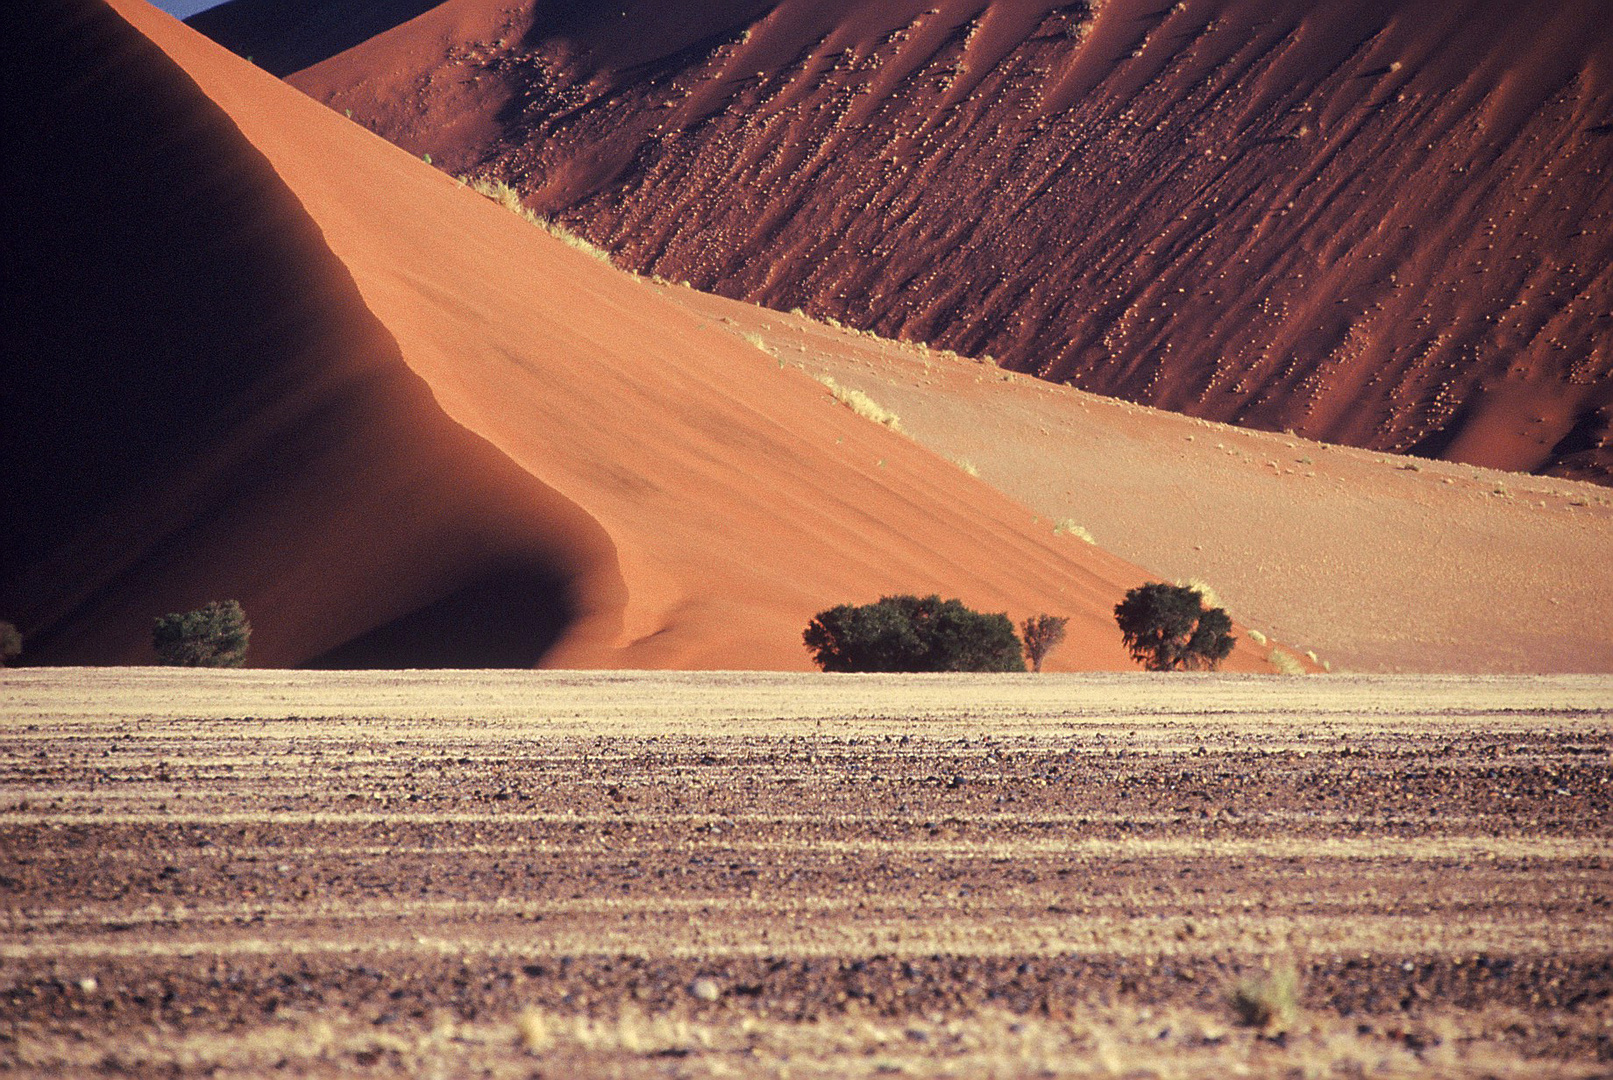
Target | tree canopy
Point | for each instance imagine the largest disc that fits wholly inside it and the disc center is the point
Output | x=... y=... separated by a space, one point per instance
x=911 y=633
x=1168 y=628
x=1042 y=634
x=213 y=636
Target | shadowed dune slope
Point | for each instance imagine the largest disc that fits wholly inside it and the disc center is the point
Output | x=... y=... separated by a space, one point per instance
x=199 y=405
x=700 y=501
x=294 y=34
x=1388 y=225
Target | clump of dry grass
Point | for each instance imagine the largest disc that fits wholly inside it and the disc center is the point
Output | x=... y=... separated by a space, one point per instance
x=1257 y=637
x=507 y=197
x=633 y=1033
x=1285 y=662
x=861 y=404
x=1269 y=1002
x=1066 y=527
x=1206 y=591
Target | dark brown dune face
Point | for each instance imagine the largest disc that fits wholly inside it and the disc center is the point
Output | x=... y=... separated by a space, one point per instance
x=290 y=35
x=1386 y=225
x=200 y=406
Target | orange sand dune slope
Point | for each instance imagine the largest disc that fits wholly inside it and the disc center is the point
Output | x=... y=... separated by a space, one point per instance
x=199 y=405
x=733 y=498
x=1386 y=224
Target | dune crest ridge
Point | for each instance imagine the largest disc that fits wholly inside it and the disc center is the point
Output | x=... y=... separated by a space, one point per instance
x=204 y=408
x=692 y=500
x=1383 y=225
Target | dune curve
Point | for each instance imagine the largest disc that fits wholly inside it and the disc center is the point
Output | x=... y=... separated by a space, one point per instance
x=1384 y=225
x=736 y=496
x=202 y=406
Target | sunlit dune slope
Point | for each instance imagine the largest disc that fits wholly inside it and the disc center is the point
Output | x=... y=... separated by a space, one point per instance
x=694 y=501
x=1377 y=562
x=199 y=405
x=1383 y=224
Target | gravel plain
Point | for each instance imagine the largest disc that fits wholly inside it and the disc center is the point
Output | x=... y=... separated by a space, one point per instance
x=746 y=874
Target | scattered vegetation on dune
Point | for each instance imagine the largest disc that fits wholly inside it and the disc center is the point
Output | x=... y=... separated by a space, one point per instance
x=967 y=466
x=1206 y=591
x=861 y=404
x=507 y=197
x=1285 y=662
x=1067 y=527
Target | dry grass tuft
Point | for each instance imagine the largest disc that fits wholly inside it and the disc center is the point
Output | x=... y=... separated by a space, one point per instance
x=1067 y=527
x=633 y=1032
x=537 y=1031
x=861 y=404
x=1206 y=591
x=1269 y=1002
x=1257 y=637
x=507 y=197
x=1285 y=662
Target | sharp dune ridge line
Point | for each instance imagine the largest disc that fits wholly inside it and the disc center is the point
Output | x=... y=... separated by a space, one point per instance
x=1356 y=554
x=661 y=495
x=1220 y=209
x=1385 y=225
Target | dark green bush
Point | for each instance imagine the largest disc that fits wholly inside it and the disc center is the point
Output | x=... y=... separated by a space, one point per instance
x=213 y=636
x=911 y=633
x=10 y=643
x=1168 y=628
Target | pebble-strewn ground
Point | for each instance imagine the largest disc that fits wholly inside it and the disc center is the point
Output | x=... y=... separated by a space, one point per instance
x=560 y=875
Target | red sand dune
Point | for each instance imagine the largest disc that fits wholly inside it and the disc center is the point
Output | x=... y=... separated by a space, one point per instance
x=273 y=357
x=202 y=406
x=1382 y=224
x=1376 y=562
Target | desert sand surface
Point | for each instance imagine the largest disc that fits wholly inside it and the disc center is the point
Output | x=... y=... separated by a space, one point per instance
x=1375 y=562
x=749 y=874
x=202 y=405
x=558 y=460
x=1385 y=225
x=405 y=428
